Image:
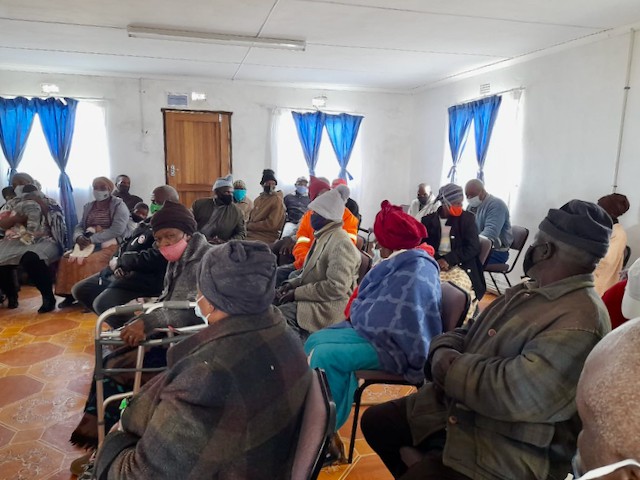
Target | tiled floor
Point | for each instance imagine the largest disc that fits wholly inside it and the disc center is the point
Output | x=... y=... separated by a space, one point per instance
x=45 y=371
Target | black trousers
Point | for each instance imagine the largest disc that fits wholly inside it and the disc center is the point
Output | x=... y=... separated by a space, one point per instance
x=386 y=429
x=38 y=273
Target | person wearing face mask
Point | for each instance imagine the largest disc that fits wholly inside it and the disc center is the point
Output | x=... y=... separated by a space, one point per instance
x=174 y=230
x=424 y=203
x=268 y=214
x=499 y=401
x=218 y=218
x=241 y=200
x=230 y=403
x=104 y=224
x=123 y=184
x=296 y=204
x=318 y=296
x=453 y=234
x=606 y=399
x=136 y=270
x=492 y=219
x=43 y=245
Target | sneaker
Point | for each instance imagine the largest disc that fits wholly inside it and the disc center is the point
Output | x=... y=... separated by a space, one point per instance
x=335 y=453
x=77 y=467
x=67 y=302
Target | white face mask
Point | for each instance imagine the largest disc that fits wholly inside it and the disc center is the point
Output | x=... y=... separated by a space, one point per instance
x=198 y=310
x=474 y=201
x=18 y=190
x=600 y=471
x=100 y=195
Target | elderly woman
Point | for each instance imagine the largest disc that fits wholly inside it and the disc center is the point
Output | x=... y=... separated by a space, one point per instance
x=230 y=404
x=453 y=234
x=607 y=273
x=103 y=225
x=47 y=238
x=391 y=320
x=174 y=230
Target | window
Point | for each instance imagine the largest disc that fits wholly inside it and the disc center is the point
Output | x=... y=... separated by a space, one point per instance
x=503 y=165
x=89 y=156
x=289 y=159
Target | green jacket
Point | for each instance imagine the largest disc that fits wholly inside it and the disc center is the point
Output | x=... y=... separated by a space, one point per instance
x=509 y=405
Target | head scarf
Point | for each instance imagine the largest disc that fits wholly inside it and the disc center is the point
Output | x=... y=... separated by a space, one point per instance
x=106 y=180
x=614 y=204
x=397 y=230
x=450 y=194
x=316 y=184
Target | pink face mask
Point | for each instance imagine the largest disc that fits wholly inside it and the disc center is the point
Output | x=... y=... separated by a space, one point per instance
x=173 y=252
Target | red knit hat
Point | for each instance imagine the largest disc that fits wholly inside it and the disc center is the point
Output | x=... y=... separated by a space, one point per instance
x=339 y=181
x=316 y=185
x=397 y=230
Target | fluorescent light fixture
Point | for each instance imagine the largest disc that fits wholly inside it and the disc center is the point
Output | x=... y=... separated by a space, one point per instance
x=49 y=88
x=197 y=96
x=137 y=31
x=319 y=102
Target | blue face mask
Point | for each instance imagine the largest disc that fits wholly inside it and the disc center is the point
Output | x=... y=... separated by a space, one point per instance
x=317 y=221
x=198 y=311
x=238 y=195
x=302 y=190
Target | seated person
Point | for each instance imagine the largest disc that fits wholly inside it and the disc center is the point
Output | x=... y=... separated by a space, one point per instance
x=123 y=184
x=317 y=298
x=231 y=402
x=424 y=203
x=499 y=400
x=351 y=204
x=139 y=213
x=492 y=220
x=606 y=399
x=296 y=204
x=392 y=319
x=240 y=199
x=136 y=270
x=33 y=208
x=103 y=225
x=267 y=216
x=174 y=230
x=453 y=234
x=218 y=218
x=608 y=270
x=8 y=193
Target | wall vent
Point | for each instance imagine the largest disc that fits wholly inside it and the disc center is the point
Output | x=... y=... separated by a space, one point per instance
x=485 y=89
x=177 y=100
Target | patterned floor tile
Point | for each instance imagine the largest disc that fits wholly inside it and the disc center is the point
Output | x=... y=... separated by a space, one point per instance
x=30 y=354
x=17 y=387
x=29 y=461
x=58 y=435
x=47 y=408
x=6 y=435
x=61 y=368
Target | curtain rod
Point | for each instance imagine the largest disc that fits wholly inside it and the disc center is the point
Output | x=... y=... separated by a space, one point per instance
x=52 y=96
x=307 y=109
x=517 y=89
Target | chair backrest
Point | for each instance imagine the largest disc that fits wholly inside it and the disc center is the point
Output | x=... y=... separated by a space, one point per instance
x=485 y=249
x=627 y=255
x=365 y=265
x=455 y=305
x=318 y=424
x=520 y=236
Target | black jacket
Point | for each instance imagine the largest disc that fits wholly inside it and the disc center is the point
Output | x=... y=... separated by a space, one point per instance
x=465 y=245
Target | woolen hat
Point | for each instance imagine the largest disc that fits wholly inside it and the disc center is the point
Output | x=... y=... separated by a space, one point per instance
x=239 y=185
x=397 y=230
x=581 y=224
x=339 y=181
x=268 y=174
x=614 y=204
x=329 y=205
x=223 y=182
x=316 y=184
x=174 y=215
x=239 y=277
x=450 y=194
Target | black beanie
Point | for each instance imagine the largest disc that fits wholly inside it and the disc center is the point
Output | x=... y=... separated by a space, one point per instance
x=268 y=174
x=174 y=215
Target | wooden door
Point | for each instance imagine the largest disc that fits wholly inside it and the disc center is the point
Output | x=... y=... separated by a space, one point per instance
x=197 y=149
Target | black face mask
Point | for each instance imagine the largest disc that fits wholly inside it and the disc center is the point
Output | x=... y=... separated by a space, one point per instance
x=317 y=221
x=226 y=199
x=123 y=189
x=268 y=188
x=423 y=200
x=136 y=218
x=528 y=263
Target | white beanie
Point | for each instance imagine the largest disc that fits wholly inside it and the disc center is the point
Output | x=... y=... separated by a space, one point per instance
x=223 y=182
x=329 y=205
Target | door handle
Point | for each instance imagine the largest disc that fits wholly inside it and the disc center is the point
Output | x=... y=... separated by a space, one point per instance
x=172 y=171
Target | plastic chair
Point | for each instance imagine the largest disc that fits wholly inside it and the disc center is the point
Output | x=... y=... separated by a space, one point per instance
x=485 y=250
x=520 y=236
x=455 y=305
x=318 y=424
x=365 y=265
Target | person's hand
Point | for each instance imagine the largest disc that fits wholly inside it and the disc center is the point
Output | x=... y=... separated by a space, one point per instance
x=287 y=246
x=98 y=229
x=133 y=333
x=119 y=273
x=444 y=265
x=440 y=363
x=287 y=297
x=113 y=264
x=83 y=242
x=12 y=220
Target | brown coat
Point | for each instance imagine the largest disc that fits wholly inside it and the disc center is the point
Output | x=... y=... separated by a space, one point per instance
x=267 y=218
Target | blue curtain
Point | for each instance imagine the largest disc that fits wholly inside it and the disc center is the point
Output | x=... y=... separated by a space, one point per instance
x=460 y=117
x=343 y=131
x=58 y=122
x=309 y=126
x=16 y=119
x=485 y=112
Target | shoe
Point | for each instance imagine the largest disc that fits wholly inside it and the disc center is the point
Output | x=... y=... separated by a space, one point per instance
x=12 y=303
x=78 y=465
x=335 y=453
x=48 y=304
x=67 y=302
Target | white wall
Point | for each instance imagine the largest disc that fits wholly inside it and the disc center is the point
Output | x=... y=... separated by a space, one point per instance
x=572 y=105
x=135 y=128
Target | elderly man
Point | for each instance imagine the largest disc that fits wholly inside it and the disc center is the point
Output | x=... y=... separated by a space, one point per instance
x=244 y=203
x=317 y=298
x=492 y=219
x=267 y=217
x=608 y=445
x=230 y=403
x=424 y=203
x=218 y=218
x=296 y=204
x=123 y=184
x=499 y=403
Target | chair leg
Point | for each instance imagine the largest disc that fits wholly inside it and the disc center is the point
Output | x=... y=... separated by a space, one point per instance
x=494 y=283
x=507 y=279
x=357 y=397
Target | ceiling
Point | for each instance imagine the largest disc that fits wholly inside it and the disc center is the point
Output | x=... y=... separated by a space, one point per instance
x=355 y=43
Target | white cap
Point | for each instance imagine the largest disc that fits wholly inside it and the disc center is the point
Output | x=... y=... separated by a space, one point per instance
x=631 y=299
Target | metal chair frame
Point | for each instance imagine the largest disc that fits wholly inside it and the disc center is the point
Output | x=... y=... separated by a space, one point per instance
x=512 y=264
